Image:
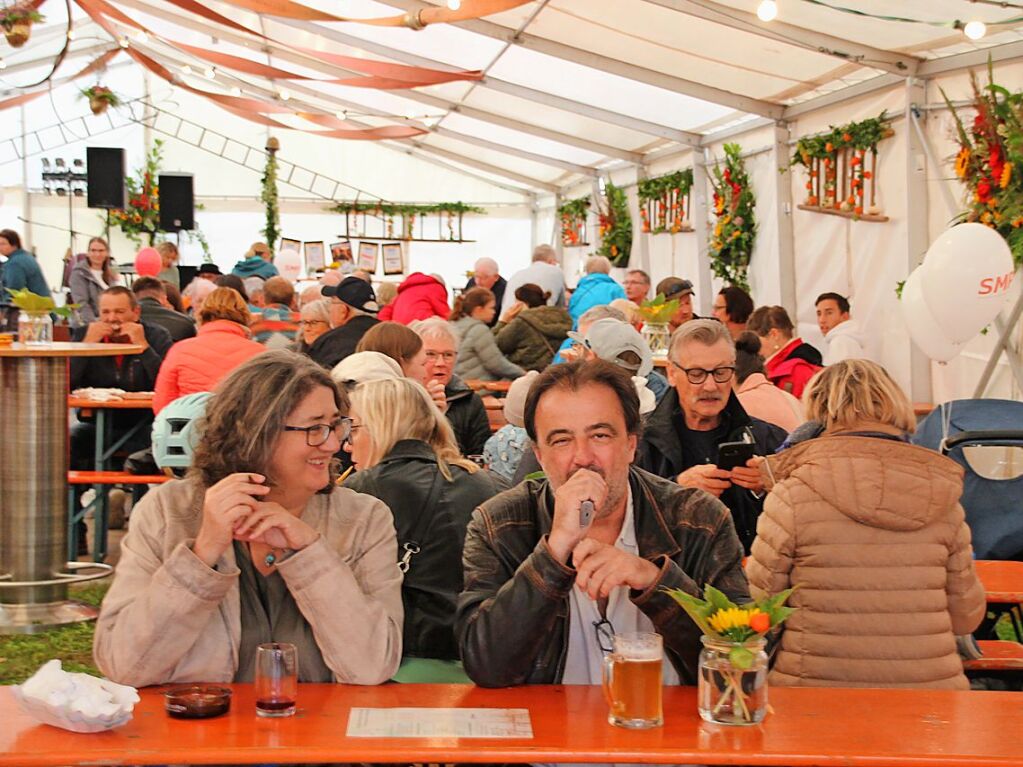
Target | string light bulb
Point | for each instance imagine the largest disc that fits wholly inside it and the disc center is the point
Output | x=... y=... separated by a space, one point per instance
x=124 y=42
x=71 y=34
x=454 y=5
x=767 y=10
x=283 y=95
x=341 y=115
x=975 y=29
x=211 y=73
x=236 y=91
x=186 y=70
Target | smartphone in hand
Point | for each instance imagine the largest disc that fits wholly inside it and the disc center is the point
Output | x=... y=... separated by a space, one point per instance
x=732 y=454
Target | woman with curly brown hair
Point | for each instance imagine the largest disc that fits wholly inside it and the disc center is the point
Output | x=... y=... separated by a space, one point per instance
x=257 y=545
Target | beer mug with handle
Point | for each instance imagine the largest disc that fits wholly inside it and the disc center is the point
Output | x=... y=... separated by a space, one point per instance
x=632 y=680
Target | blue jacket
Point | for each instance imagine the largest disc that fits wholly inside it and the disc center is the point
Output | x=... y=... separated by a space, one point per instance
x=254 y=266
x=593 y=290
x=23 y=271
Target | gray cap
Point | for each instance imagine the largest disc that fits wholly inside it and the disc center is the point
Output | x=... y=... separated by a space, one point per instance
x=609 y=338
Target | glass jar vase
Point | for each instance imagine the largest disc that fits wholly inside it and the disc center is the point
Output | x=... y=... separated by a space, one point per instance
x=657 y=336
x=35 y=328
x=733 y=681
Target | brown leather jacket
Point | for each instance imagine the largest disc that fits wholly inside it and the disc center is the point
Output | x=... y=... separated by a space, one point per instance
x=513 y=612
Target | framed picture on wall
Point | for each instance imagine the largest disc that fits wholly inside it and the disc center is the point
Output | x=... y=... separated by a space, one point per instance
x=368 y=256
x=286 y=244
x=394 y=262
x=341 y=251
x=315 y=256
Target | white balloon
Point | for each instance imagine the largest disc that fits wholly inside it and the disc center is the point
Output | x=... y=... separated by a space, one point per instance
x=923 y=329
x=289 y=264
x=967 y=273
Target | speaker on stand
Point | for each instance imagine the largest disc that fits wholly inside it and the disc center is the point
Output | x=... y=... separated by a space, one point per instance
x=104 y=169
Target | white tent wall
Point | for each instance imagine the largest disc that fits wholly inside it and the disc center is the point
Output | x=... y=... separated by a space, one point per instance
x=859 y=259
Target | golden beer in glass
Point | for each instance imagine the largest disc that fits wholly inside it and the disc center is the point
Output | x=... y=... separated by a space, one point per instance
x=632 y=681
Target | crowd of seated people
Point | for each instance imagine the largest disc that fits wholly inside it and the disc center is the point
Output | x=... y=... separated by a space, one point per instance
x=456 y=550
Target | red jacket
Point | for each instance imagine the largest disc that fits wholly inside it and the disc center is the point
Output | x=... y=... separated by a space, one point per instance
x=198 y=364
x=419 y=298
x=790 y=373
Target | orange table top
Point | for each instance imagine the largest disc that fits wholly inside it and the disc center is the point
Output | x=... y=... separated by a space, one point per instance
x=808 y=727
x=69 y=349
x=137 y=403
x=1003 y=581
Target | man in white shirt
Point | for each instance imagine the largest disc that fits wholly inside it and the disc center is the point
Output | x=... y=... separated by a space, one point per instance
x=545 y=272
x=543 y=583
x=842 y=333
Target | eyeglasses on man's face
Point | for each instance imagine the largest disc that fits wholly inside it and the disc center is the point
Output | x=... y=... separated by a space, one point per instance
x=319 y=433
x=307 y=323
x=699 y=375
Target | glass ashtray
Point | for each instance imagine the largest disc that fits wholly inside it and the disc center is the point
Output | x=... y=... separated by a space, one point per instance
x=197 y=701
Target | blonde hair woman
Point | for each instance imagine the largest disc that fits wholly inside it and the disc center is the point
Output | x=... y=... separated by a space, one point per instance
x=221 y=344
x=257 y=545
x=871 y=529
x=406 y=455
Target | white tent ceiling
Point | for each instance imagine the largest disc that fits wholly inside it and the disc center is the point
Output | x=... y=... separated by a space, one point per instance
x=572 y=88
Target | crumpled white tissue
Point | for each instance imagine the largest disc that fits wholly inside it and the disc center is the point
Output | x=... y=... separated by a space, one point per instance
x=647 y=400
x=73 y=701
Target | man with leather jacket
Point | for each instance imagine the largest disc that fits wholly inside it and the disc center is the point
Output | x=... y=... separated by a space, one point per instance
x=544 y=587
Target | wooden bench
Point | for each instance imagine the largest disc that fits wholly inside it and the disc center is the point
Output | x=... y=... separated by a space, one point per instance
x=101 y=481
x=999 y=655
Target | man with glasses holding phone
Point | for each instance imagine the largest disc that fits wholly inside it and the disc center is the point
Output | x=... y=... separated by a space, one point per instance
x=698 y=433
x=555 y=567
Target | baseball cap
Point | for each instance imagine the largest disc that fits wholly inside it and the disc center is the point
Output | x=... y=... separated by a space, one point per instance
x=360 y=367
x=515 y=399
x=209 y=269
x=355 y=292
x=673 y=287
x=610 y=338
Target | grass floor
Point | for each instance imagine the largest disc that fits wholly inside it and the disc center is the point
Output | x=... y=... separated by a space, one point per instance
x=22 y=654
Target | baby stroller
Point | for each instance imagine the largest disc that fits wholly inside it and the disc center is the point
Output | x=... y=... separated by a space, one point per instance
x=985 y=437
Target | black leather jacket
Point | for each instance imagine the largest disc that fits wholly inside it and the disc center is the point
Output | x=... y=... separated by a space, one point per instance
x=513 y=613
x=468 y=416
x=660 y=452
x=404 y=480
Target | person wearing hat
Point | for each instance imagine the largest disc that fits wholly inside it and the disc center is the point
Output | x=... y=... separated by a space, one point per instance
x=618 y=342
x=208 y=272
x=682 y=290
x=257 y=263
x=353 y=309
x=506 y=447
x=358 y=368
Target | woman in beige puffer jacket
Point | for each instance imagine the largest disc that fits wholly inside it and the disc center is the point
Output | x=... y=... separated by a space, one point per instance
x=871 y=530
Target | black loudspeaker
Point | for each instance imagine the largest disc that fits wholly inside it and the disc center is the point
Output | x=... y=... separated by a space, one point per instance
x=104 y=169
x=177 y=205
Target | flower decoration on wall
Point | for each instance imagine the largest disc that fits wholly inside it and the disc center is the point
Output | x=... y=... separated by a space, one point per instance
x=664 y=202
x=572 y=216
x=615 y=226
x=735 y=229
x=836 y=163
x=990 y=160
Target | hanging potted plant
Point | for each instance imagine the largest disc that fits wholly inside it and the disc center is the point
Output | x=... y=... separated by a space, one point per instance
x=100 y=97
x=17 y=21
x=35 y=326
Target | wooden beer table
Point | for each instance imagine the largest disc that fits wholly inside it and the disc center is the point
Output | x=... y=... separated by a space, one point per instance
x=822 y=726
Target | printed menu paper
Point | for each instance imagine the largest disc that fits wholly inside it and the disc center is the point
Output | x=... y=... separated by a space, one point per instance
x=439 y=723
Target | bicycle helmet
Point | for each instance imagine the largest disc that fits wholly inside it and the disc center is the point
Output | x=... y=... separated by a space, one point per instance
x=174 y=431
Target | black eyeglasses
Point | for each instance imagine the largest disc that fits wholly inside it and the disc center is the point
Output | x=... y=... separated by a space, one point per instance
x=605 y=632
x=319 y=433
x=699 y=375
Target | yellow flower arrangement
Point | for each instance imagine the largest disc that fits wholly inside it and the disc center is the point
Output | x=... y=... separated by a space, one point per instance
x=1006 y=175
